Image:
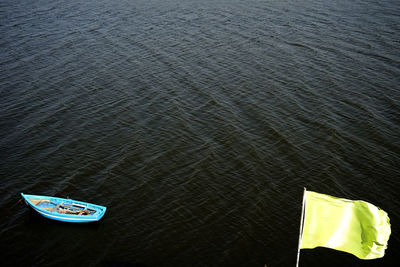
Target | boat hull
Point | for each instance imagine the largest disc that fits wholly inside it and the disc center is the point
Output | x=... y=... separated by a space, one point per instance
x=65 y=210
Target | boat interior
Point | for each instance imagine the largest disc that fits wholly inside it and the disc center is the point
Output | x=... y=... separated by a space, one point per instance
x=62 y=207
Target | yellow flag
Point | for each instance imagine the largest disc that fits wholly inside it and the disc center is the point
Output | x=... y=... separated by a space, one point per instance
x=356 y=227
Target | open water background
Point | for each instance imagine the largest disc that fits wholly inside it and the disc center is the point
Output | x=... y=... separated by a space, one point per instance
x=197 y=123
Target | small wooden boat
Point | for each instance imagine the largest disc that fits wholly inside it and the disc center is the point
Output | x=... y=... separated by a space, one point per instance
x=66 y=210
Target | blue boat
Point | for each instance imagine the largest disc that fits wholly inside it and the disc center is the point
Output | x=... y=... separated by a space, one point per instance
x=65 y=210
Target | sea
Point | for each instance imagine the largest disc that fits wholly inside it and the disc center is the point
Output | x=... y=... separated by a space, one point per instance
x=198 y=124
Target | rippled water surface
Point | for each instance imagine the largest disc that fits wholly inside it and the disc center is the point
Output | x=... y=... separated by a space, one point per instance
x=197 y=123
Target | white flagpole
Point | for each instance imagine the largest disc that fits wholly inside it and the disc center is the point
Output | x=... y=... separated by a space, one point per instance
x=301 y=226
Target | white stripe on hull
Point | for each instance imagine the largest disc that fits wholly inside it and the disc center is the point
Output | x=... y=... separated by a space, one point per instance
x=64 y=218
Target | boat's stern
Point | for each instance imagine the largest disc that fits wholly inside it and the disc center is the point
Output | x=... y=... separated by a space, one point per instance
x=101 y=211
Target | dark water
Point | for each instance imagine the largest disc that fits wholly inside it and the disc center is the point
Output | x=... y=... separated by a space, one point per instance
x=197 y=123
